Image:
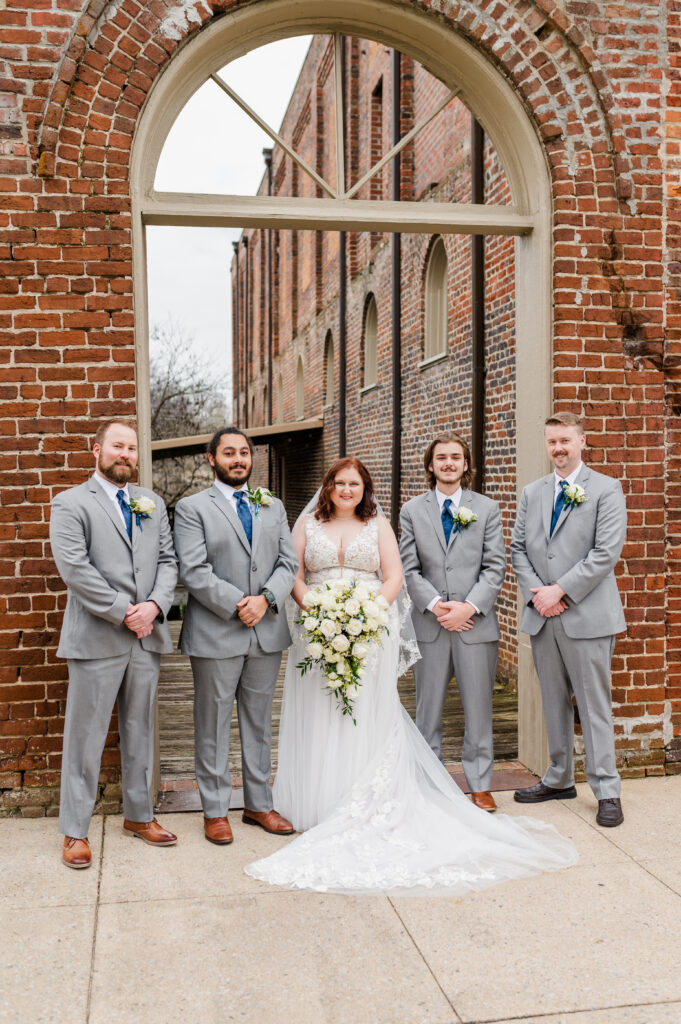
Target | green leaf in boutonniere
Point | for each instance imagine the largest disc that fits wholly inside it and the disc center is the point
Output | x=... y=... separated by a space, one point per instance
x=260 y=497
x=574 y=495
x=463 y=517
x=142 y=509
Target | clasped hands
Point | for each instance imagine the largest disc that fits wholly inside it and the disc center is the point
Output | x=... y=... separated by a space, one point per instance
x=456 y=616
x=251 y=609
x=140 y=618
x=549 y=600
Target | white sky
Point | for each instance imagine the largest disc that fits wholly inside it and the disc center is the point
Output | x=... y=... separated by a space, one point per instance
x=214 y=147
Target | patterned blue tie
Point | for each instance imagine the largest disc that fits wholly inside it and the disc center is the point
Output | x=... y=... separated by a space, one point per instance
x=244 y=514
x=558 y=507
x=125 y=509
x=447 y=519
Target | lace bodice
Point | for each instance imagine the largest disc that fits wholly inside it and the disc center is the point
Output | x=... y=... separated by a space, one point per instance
x=362 y=559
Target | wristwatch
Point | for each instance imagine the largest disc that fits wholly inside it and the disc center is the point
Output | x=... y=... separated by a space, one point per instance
x=270 y=598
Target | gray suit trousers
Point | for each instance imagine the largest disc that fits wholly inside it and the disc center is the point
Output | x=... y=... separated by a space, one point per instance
x=250 y=679
x=129 y=680
x=474 y=666
x=566 y=666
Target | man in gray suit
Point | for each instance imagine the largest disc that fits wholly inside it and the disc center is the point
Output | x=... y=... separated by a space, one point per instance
x=113 y=549
x=567 y=539
x=454 y=559
x=239 y=565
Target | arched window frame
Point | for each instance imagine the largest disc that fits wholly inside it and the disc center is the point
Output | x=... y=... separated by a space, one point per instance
x=300 y=389
x=436 y=312
x=329 y=385
x=280 y=398
x=370 y=344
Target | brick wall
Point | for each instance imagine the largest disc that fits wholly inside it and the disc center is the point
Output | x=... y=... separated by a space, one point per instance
x=597 y=83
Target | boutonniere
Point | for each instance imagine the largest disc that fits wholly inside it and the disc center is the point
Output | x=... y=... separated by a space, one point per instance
x=142 y=509
x=463 y=517
x=574 y=495
x=259 y=497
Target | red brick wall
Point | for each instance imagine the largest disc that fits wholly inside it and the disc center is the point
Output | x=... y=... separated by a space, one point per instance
x=606 y=107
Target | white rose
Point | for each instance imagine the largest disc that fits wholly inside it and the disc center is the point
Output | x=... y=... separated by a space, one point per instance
x=466 y=515
x=383 y=618
x=315 y=650
x=332 y=676
x=340 y=643
x=360 y=650
x=362 y=592
x=341 y=667
x=354 y=627
x=372 y=624
x=311 y=622
x=381 y=601
x=266 y=498
x=330 y=655
x=328 y=628
x=311 y=599
x=371 y=610
x=352 y=606
x=328 y=600
x=145 y=506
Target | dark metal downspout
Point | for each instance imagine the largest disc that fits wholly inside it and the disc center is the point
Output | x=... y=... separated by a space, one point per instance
x=396 y=476
x=236 y=344
x=478 y=311
x=267 y=153
x=246 y=310
x=342 y=303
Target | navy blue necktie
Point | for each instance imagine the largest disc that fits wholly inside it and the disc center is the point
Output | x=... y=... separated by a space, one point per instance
x=558 y=507
x=125 y=509
x=244 y=514
x=447 y=519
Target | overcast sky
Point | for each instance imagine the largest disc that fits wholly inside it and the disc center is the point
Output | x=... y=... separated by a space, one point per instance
x=214 y=147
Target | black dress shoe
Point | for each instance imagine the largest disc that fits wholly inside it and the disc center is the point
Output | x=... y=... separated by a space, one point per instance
x=610 y=812
x=536 y=794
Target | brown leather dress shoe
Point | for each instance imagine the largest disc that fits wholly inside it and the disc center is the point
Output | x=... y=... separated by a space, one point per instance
x=218 y=830
x=271 y=821
x=150 y=831
x=485 y=801
x=76 y=853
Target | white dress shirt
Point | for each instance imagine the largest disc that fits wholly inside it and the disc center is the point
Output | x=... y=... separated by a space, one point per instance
x=558 y=480
x=455 y=499
x=230 y=493
x=111 y=490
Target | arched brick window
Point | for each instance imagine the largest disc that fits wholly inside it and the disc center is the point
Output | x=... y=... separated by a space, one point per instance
x=370 y=376
x=300 y=390
x=280 y=399
x=328 y=371
x=435 y=335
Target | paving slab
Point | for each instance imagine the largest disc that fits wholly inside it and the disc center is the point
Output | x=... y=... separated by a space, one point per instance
x=45 y=959
x=261 y=959
x=589 y=937
x=651 y=816
x=667 y=1013
x=133 y=870
x=31 y=870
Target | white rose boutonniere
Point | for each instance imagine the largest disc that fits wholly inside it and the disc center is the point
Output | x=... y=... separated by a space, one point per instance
x=574 y=495
x=259 y=497
x=142 y=508
x=463 y=517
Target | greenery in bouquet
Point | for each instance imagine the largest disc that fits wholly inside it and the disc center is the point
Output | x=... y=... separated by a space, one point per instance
x=341 y=619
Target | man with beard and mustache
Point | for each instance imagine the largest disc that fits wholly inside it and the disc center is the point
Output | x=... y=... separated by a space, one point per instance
x=239 y=565
x=567 y=540
x=113 y=548
x=454 y=559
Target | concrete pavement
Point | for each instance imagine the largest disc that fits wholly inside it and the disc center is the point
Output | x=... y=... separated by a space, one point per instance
x=182 y=935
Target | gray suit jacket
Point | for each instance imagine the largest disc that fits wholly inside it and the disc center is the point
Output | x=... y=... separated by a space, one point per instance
x=580 y=556
x=218 y=568
x=104 y=572
x=470 y=568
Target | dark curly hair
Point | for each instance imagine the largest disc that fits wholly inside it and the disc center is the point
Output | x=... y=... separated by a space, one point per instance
x=367 y=507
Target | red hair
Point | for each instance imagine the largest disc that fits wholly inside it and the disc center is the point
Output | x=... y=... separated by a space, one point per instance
x=367 y=506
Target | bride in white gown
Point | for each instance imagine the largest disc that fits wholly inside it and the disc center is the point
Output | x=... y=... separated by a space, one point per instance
x=380 y=810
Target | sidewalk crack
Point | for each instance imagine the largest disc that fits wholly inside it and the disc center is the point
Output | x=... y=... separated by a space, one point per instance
x=94 y=926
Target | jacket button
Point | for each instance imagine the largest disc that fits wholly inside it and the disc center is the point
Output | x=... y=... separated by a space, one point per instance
x=254 y=568
x=550 y=554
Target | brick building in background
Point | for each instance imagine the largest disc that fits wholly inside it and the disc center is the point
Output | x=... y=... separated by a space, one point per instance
x=604 y=99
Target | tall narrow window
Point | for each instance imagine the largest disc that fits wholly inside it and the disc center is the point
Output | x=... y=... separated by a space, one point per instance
x=300 y=390
x=436 y=302
x=280 y=399
x=265 y=417
x=328 y=371
x=370 y=342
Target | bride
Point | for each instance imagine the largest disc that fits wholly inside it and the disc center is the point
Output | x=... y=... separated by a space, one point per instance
x=379 y=809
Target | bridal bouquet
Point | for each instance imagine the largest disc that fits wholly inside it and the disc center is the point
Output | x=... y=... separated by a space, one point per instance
x=342 y=618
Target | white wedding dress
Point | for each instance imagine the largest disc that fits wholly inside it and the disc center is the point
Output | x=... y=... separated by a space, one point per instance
x=380 y=810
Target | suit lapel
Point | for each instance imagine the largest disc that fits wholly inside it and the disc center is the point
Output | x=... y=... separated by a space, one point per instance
x=104 y=502
x=433 y=510
x=547 y=504
x=567 y=509
x=137 y=530
x=229 y=512
x=467 y=499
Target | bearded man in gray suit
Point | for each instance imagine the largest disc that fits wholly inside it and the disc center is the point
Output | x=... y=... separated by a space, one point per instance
x=239 y=565
x=567 y=539
x=454 y=559
x=113 y=549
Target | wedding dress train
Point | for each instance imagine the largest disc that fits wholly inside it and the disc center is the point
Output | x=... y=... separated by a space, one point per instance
x=380 y=810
